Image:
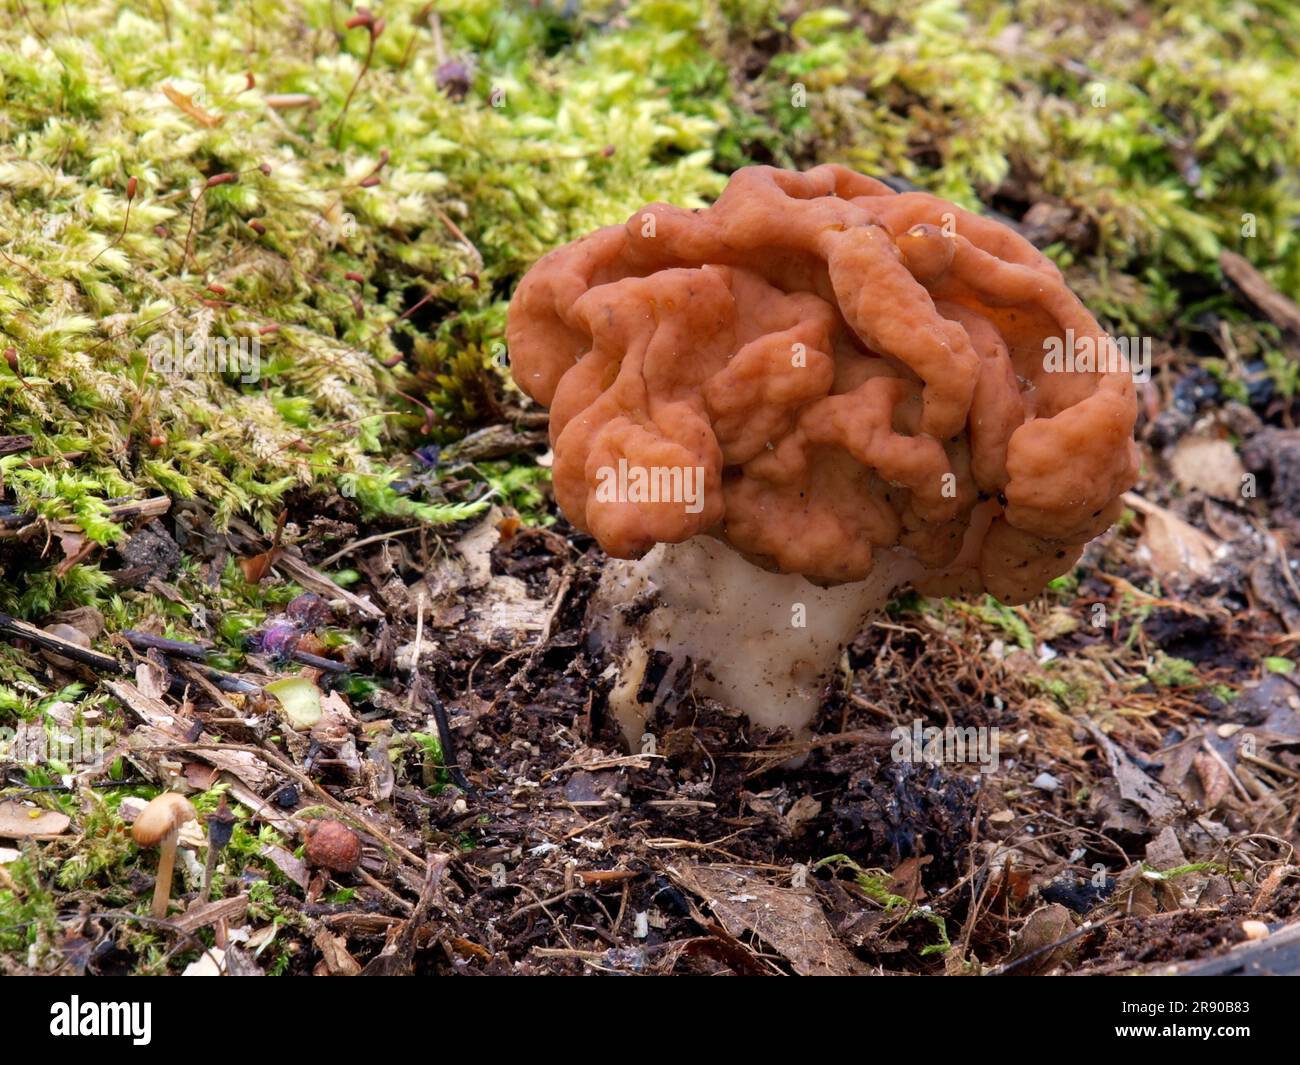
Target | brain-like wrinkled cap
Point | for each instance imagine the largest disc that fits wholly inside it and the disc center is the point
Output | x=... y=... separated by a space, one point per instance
x=839 y=369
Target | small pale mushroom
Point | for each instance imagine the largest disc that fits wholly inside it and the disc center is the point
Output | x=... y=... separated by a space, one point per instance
x=158 y=826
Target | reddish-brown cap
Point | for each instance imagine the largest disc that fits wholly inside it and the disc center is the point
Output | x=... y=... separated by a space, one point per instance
x=332 y=845
x=164 y=815
x=816 y=369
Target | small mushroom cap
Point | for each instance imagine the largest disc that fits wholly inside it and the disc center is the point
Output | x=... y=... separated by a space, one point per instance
x=332 y=845
x=165 y=814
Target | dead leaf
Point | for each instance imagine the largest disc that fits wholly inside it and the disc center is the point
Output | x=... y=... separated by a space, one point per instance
x=1045 y=926
x=803 y=810
x=200 y=777
x=76 y=548
x=789 y=920
x=1135 y=894
x=1171 y=545
x=335 y=956
x=906 y=879
x=1134 y=785
x=152 y=679
x=187 y=104
x=1165 y=852
x=164 y=727
x=290 y=865
x=258 y=566
x=1208 y=465
x=1215 y=780
x=19 y=822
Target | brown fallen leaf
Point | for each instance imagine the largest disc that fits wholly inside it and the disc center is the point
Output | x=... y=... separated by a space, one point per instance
x=1215 y=780
x=1173 y=547
x=164 y=727
x=152 y=679
x=186 y=103
x=789 y=920
x=290 y=865
x=1208 y=465
x=335 y=958
x=1164 y=851
x=258 y=566
x=905 y=881
x=1134 y=784
x=1044 y=927
x=803 y=810
x=20 y=822
x=76 y=547
x=1135 y=895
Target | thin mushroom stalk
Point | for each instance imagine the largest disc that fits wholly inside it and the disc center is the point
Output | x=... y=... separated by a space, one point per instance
x=159 y=825
x=162 y=891
x=810 y=395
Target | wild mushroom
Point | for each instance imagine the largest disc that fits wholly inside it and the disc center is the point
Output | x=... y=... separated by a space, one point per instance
x=775 y=413
x=158 y=825
x=331 y=845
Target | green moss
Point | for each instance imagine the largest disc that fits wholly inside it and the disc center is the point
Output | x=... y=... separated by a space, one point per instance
x=1169 y=671
x=1168 y=139
x=997 y=615
x=875 y=885
x=344 y=237
x=29 y=927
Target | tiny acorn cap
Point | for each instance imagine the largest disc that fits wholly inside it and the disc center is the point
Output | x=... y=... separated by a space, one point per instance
x=164 y=815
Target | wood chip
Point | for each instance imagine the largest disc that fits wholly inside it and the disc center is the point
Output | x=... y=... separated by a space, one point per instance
x=24 y=822
x=1257 y=288
x=317 y=582
x=203 y=914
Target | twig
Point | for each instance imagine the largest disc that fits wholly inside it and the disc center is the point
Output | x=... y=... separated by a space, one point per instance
x=343 y=552
x=1272 y=767
x=143 y=641
x=1280 y=310
x=11 y=626
x=448 y=742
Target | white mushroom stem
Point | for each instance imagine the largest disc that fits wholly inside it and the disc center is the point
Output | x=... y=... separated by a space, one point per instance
x=763 y=643
x=162 y=889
